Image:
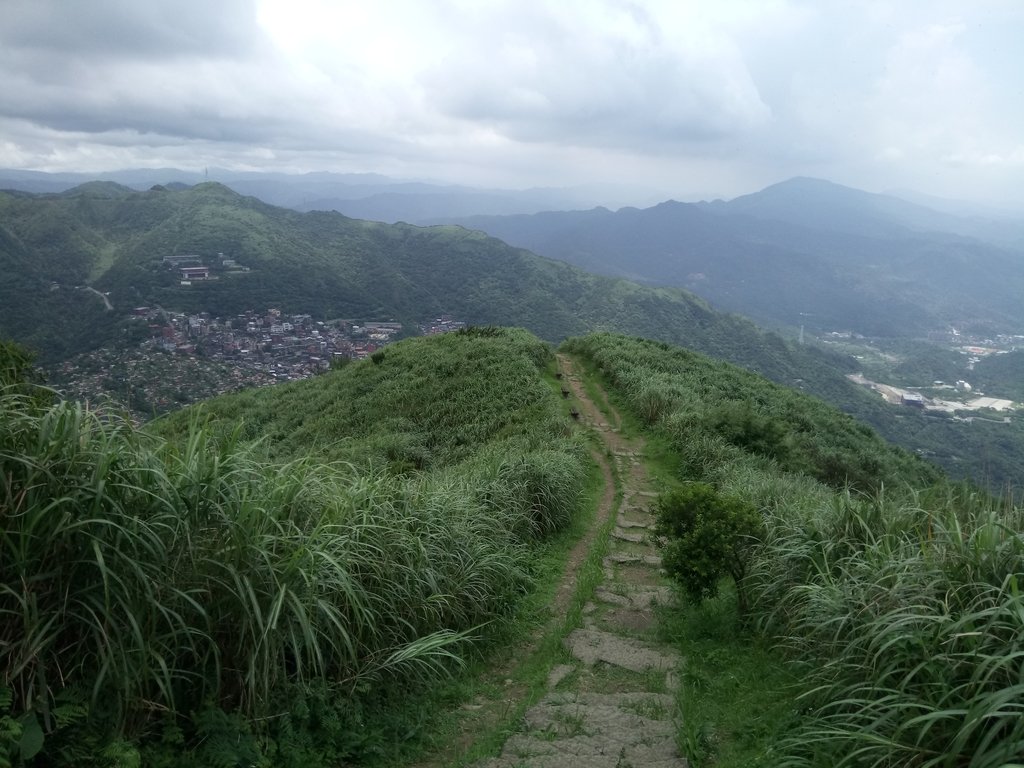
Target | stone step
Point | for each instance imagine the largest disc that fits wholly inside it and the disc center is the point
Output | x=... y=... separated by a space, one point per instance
x=593 y=645
x=633 y=728
x=623 y=535
x=635 y=596
x=629 y=558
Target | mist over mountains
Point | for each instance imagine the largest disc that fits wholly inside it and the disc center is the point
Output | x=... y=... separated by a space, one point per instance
x=803 y=252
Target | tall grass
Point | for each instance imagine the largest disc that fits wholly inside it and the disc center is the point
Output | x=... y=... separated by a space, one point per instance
x=916 y=622
x=154 y=578
x=899 y=597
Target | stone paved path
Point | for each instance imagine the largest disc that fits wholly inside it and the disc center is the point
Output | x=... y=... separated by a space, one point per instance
x=614 y=705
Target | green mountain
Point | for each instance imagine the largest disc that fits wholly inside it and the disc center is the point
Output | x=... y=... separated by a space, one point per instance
x=805 y=252
x=69 y=255
x=327 y=265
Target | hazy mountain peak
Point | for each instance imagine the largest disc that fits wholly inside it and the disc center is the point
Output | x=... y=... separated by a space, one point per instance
x=810 y=189
x=808 y=182
x=106 y=189
x=215 y=188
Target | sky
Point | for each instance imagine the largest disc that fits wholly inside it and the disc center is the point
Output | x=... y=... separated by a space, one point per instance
x=694 y=98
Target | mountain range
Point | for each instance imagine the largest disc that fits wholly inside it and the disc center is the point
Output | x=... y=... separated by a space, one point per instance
x=78 y=262
x=102 y=238
x=358 y=195
x=802 y=252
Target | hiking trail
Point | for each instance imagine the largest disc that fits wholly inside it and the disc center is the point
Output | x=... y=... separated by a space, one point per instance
x=613 y=704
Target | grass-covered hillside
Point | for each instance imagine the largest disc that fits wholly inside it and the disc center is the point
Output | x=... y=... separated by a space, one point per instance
x=420 y=404
x=206 y=600
x=113 y=240
x=894 y=595
x=696 y=396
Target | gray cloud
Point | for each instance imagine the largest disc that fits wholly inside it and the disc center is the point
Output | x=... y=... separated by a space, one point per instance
x=181 y=69
x=618 y=80
x=698 y=98
x=102 y=29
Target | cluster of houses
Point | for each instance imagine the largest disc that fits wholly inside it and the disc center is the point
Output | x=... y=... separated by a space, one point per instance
x=190 y=357
x=147 y=382
x=443 y=324
x=287 y=347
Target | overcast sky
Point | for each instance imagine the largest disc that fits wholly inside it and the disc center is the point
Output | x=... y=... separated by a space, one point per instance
x=697 y=98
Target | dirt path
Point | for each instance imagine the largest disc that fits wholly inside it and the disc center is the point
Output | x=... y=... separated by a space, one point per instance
x=612 y=704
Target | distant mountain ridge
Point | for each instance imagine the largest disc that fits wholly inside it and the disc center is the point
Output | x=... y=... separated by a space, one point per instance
x=358 y=195
x=803 y=252
x=822 y=204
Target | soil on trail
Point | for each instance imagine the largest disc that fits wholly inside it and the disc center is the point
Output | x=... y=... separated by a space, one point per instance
x=614 y=704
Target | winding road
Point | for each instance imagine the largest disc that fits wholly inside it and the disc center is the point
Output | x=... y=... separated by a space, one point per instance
x=106 y=300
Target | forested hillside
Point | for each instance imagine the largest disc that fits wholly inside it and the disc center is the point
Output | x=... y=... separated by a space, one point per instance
x=325 y=264
x=110 y=240
x=227 y=598
x=804 y=252
x=321 y=263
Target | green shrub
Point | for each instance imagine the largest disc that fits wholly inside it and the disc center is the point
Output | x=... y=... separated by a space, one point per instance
x=706 y=536
x=739 y=423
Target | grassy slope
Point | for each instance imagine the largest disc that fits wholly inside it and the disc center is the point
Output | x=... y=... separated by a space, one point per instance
x=184 y=591
x=428 y=403
x=897 y=600
x=797 y=432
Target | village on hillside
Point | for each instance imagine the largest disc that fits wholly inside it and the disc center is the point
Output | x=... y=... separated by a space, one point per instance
x=190 y=357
